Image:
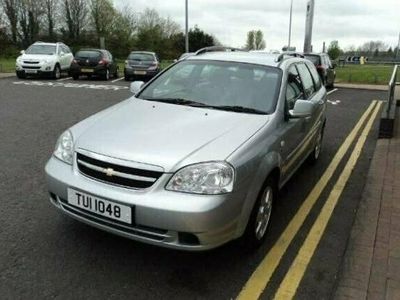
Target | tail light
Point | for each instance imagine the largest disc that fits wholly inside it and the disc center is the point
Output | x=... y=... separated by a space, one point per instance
x=320 y=67
x=154 y=66
x=75 y=61
x=103 y=62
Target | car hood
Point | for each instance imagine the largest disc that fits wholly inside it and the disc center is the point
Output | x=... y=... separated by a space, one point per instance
x=37 y=57
x=166 y=135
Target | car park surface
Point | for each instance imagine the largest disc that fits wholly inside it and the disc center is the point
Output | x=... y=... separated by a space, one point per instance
x=45 y=254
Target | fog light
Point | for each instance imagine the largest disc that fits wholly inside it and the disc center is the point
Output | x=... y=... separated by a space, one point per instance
x=48 y=68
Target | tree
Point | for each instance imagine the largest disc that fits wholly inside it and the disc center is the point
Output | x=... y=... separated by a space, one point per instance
x=75 y=14
x=199 y=39
x=334 y=50
x=102 y=13
x=10 y=10
x=255 y=40
x=29 y=13
x=259 y=40
x=250 y=40
x=51 y=7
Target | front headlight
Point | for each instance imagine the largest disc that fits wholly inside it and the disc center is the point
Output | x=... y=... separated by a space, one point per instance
x=65 y=147
x=19 y=60
x=209 y=178
x=46 y=61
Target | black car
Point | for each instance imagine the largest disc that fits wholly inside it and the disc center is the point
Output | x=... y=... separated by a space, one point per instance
x=324 y=66
x=94 y=62
x=141 y=65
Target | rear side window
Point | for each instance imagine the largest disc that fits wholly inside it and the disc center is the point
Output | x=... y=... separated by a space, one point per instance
x=294 y=89
x=315 y=59
x=315 y=76
x=306 y=78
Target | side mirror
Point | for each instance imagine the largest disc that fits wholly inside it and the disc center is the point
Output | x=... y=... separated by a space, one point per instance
x=136 y=86
x=175 y=60
x=22 y=52
x=302 y=109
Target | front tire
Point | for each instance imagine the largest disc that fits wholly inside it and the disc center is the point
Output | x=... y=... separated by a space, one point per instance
x=316 y=153
x=106 y=76
x=57 y=72
x=257 y=227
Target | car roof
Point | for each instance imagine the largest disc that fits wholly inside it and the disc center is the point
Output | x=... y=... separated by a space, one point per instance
x=241 y=57
x=49 y=44
x=258 y=58
x=142 y=52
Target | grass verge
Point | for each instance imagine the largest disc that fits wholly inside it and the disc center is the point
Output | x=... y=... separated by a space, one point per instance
x=364 y=74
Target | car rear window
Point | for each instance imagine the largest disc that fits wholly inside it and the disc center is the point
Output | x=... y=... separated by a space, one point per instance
x=315 y=59
x=141 y=57
x=88 y=54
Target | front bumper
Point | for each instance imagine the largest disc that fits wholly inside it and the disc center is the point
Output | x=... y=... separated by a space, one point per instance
x=35 y=69
x=163 y=218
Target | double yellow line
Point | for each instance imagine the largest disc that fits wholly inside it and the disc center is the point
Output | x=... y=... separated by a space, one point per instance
x=262 y=275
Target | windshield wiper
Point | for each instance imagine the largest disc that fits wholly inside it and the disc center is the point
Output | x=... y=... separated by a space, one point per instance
x=179 y=101
x=241 y=109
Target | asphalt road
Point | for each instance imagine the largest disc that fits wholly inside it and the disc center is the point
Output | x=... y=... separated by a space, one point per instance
x=44 y=254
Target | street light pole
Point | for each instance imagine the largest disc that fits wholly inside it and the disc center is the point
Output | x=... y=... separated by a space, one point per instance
x=187 y=27
x=398 y=46
x=309 y=27
x=290 y=23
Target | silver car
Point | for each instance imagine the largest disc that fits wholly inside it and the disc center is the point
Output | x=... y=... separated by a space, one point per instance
x=197 y=156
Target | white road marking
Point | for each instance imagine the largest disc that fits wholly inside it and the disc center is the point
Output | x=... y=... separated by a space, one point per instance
x=72 y=85
x=334 y=102
x=118 y=79
x=64 y=79
x=331 y=92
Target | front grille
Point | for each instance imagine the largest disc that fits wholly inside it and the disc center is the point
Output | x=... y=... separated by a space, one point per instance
x=31 y=62
x=116 y=174
x=31 y=68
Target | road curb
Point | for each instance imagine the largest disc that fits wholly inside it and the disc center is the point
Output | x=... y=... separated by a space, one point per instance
x=6 y=75
x=362 y=86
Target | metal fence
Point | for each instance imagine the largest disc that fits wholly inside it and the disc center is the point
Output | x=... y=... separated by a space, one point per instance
x=392 y=89
x=388 y=118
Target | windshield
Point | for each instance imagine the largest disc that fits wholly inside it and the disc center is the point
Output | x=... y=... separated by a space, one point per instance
x=41 y=49
x=88 y=54
x=314 y=59
x=223 y=85
x=141 y=57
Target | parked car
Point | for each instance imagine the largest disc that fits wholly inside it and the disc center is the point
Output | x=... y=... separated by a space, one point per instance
x=48 y=59
x=94 y=62
x=196 y=157
x=141 y=65
x=324 y=66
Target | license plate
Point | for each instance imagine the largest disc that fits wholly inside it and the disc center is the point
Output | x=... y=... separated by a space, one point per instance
x=87 y=70
x=100 y=206
x=140 y=72
x=31 y=71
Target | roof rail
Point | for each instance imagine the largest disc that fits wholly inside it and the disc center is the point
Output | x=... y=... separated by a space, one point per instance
x=286 y=54
x=218 y=48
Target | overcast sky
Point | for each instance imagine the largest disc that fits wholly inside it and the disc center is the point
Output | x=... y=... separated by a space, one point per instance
x=351 y=22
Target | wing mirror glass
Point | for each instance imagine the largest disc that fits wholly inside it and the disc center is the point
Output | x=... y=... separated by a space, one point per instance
x=302 y=109
x=22 y=52
x=136 y=86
